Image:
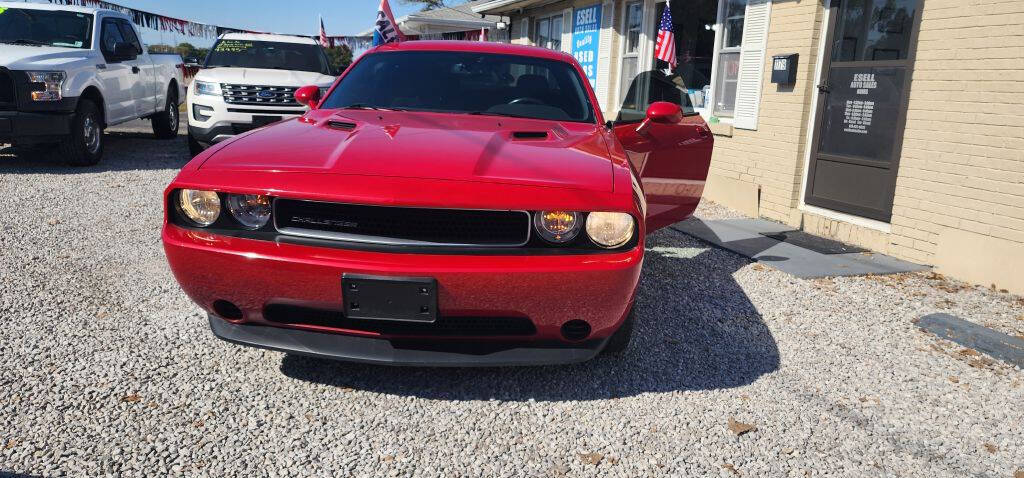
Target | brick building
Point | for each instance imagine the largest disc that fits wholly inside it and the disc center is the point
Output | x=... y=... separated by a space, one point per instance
x=903 y=130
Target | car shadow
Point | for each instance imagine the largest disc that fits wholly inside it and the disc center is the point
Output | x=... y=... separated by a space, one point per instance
x=696 y=330
x=124 y=150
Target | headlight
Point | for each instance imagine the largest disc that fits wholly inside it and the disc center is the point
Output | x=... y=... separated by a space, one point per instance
x=610 y=229
x=51 y=84
x=558 y=227
x=251 y=210
x=200 y=207
x=204 y=88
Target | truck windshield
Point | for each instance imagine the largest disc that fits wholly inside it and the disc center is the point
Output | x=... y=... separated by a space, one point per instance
x=467 y=83
x=268 y=55
x=25 y=26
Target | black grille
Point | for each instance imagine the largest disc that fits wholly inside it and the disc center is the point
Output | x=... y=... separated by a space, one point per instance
x=443 y=326
x=7 y=94
x=259 y=95
x=402 y=225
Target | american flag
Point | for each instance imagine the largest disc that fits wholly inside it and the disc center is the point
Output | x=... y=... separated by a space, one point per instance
x=386 y=30
x=324 y=41
x=666 y=50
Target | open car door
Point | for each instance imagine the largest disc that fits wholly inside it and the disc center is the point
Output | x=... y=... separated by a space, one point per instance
x=669 y=147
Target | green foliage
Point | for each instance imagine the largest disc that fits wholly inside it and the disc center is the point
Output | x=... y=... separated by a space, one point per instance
x=427 y=4
x=340 y=57
x=186 y=50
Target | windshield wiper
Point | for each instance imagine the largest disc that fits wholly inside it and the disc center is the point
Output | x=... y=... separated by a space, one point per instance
x=364 y=106
x=25 y=41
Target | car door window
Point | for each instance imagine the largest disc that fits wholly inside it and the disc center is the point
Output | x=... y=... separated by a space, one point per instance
x=111 y=36
x=128 y=33
x=649 y=87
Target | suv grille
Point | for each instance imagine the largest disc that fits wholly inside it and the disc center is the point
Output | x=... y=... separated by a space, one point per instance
x=402 y=226
x=259 y=95
x=443 y=326
x=7 y=95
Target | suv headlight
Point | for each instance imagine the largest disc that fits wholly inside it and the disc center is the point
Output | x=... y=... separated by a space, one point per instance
x=205 y=88
x=51 y=83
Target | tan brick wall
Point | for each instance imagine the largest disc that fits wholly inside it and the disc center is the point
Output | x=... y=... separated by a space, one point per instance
x=962 y=165
x=772 y=157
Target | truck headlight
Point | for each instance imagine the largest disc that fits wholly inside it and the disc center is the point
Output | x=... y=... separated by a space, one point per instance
x=205 y=88
x=610 y=229
x=46 y=85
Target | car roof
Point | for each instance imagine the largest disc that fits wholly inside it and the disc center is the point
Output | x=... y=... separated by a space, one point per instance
x=269 y=37
x=53 y=7
x=475 y=47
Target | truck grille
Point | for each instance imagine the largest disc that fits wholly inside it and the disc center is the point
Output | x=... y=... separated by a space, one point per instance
x=259 y=95
x=402 y=226
x=7 y=94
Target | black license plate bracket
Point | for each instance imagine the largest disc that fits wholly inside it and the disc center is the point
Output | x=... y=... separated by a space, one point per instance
x=403 y=299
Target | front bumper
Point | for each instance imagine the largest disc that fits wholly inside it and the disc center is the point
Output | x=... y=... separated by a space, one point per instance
x=25 y=127
x=397 y=352
x=548 y=290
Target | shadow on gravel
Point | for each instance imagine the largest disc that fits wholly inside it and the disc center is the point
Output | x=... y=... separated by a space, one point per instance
x=123 y=151
x=696 y=330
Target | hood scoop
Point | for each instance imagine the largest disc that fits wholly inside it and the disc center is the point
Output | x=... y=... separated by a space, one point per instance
x=525 y=135
x=342 y=125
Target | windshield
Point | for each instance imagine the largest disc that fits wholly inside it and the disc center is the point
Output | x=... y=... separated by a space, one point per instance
x=269 y=55
x=45 y=28
x=465 y=82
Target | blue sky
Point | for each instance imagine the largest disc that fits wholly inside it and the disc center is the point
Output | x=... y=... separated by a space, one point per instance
x=341 y=17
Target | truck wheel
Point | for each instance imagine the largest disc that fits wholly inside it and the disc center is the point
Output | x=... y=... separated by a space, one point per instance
x=165 y=123
x=620 y=339
x=84 y=147
x=194 y=147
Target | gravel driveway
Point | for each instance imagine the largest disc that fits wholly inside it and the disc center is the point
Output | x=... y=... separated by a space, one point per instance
x=107 y=368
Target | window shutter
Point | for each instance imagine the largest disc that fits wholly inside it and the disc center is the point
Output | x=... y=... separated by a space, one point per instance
x=524 y=31
x=604 y=55
x=567 y=30
x=751 y=68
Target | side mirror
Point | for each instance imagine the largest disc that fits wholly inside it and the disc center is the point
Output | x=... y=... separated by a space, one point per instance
x=309 y=96
x=664 y=112
x=191 y=62
x=661 y=112
x=124 y=51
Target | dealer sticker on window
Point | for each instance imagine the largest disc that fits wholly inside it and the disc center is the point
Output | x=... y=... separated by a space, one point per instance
x=234 y=46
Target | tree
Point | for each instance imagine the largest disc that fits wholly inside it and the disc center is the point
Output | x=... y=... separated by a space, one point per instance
x=340 y=57
x=427 y=4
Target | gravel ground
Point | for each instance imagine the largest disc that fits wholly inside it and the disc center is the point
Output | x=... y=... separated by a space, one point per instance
x=107 y=368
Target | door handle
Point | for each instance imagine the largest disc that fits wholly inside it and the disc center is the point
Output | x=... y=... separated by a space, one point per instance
x=135 y=70
x=825 y=88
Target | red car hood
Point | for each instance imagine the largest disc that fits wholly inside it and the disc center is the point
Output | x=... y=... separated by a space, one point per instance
x=428 y=146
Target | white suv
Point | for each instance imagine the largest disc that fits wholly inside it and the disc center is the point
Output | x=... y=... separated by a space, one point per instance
x=249 y=81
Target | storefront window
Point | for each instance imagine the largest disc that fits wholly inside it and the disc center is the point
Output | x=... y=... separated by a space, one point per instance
x=729 y=57
x=873 y=30
x=693 y=24
x=549 y=32
x=633 y=26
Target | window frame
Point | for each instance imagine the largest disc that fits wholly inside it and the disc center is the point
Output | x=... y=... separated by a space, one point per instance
x=551 y=19
x=639 y=55
x=710 y=109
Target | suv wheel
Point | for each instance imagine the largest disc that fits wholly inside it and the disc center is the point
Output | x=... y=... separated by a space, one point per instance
x=165 y=123
x=84 y=147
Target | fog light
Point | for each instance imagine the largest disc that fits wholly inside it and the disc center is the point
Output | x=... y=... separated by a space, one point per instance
x=199 y=112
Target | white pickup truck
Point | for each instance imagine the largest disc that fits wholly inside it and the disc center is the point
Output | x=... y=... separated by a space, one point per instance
x=249 y=80
x=67 y=73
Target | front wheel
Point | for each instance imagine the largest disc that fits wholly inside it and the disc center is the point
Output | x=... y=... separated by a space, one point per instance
x=84 y=147
x=194 y=146
x=165 y=123
x=619 y=341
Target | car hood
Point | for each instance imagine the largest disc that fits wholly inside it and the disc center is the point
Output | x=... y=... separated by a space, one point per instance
x=427 y=146
x=27 y=57
x=260 y=76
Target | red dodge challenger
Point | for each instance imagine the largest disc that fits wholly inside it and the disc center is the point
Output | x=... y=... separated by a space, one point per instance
x=443 y=204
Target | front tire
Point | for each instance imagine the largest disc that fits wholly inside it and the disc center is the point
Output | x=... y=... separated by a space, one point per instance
x=194 y=146
x=84 y=147
x=165 y=123
x=619 y=341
